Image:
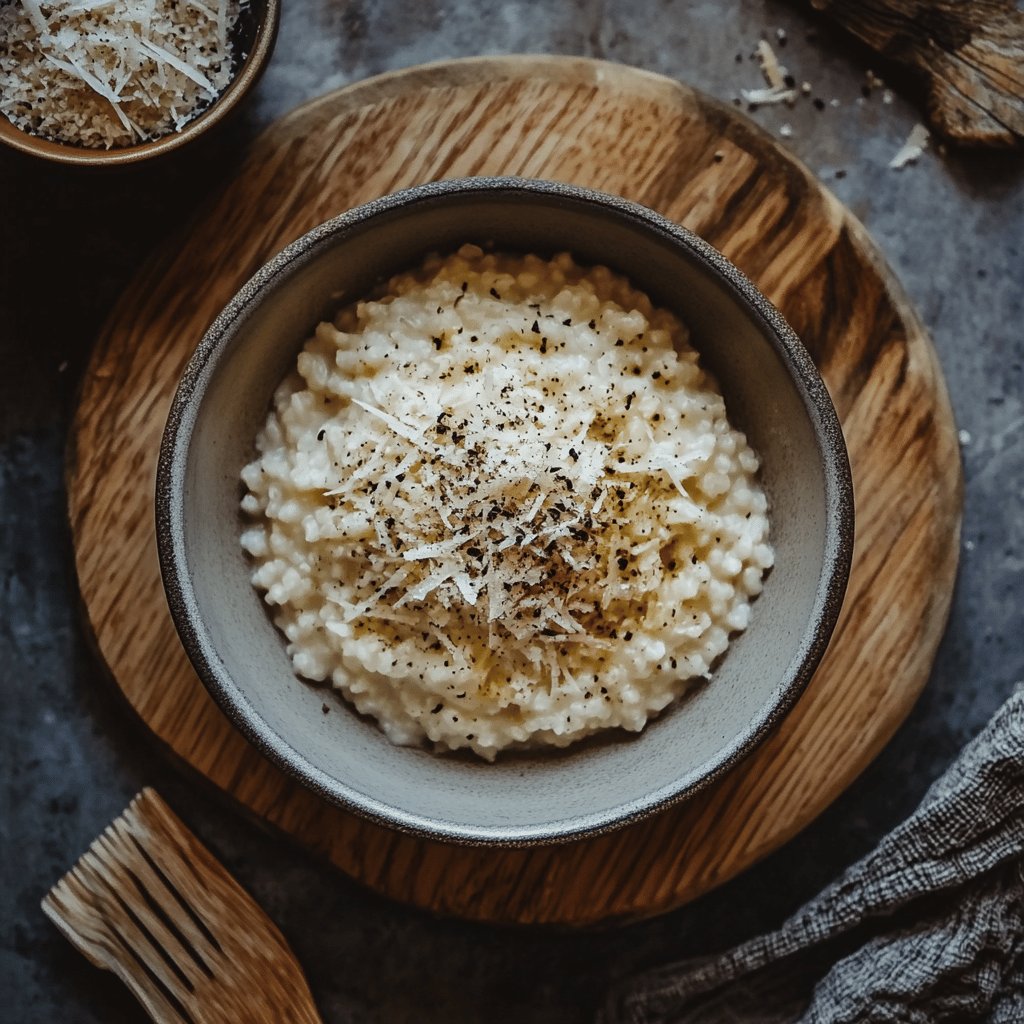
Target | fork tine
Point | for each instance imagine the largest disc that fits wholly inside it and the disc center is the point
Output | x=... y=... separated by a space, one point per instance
x=79 y=924
x=125 y=882
x=186 y=870
x=94 y=887
x=161 y=911
x=200 y=883
x=158 y=882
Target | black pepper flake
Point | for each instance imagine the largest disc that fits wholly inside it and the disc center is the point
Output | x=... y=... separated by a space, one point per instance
x=548 y=631
x=536 y=327
x=399 y=477
x=819 y=103
x=325 y=709
x=437 y=343
x=567 y=322
x=494 y=292
x=592 y=325
x=623 y=564
x=628 y=635
x=790 y=81
x=574 y=455
x=656 y=375
x=469 y=368
x=840 y=173
x=629 y=402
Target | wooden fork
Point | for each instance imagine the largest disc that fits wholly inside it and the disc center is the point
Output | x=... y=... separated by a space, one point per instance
x=149 y=902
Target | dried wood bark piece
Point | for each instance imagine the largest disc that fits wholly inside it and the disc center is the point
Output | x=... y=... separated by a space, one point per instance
x=970 y=53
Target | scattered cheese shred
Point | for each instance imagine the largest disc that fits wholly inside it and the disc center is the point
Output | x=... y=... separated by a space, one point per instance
x=774 y=73
x=911 y=150
x=781 y=86
x=108 y=73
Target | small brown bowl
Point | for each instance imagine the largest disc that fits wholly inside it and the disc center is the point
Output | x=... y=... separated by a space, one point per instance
x=256 y=36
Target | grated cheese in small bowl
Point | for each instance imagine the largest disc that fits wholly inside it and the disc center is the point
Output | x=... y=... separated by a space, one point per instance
x=106 y=74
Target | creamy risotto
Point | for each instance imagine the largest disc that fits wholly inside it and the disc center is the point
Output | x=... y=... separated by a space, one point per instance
x=501 y=505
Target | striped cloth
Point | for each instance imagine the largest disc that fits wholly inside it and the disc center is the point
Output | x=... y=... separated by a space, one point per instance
x=926 y=929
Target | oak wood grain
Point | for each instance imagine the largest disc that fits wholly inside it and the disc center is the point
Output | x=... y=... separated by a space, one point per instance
x=699 y=162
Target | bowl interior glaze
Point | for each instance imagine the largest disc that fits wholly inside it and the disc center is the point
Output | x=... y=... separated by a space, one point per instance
x=772 y=392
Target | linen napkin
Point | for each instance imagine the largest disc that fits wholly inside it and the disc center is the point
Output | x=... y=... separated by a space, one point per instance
x=926 y=929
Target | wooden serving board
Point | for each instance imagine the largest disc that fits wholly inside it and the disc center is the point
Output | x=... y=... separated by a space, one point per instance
x=693 y=159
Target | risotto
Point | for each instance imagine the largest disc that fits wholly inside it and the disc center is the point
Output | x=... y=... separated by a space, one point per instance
x=500 y=505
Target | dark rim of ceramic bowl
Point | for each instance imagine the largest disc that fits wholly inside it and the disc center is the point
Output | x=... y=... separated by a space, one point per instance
x=181 y=596
x=261 y=45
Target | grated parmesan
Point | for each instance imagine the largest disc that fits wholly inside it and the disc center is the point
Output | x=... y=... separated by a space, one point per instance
x=110 y=73
x=781 y=85
x=911 y=150
x=501 y=505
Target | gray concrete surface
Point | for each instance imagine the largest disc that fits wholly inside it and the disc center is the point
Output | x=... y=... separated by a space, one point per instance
x=72 y=756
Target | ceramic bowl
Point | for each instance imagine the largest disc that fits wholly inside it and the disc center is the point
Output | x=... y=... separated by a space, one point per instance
x=772 y=391
x=254 y=35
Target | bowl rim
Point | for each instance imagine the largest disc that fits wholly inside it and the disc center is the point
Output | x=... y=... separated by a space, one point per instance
x=175 y=574
x=248 y=75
